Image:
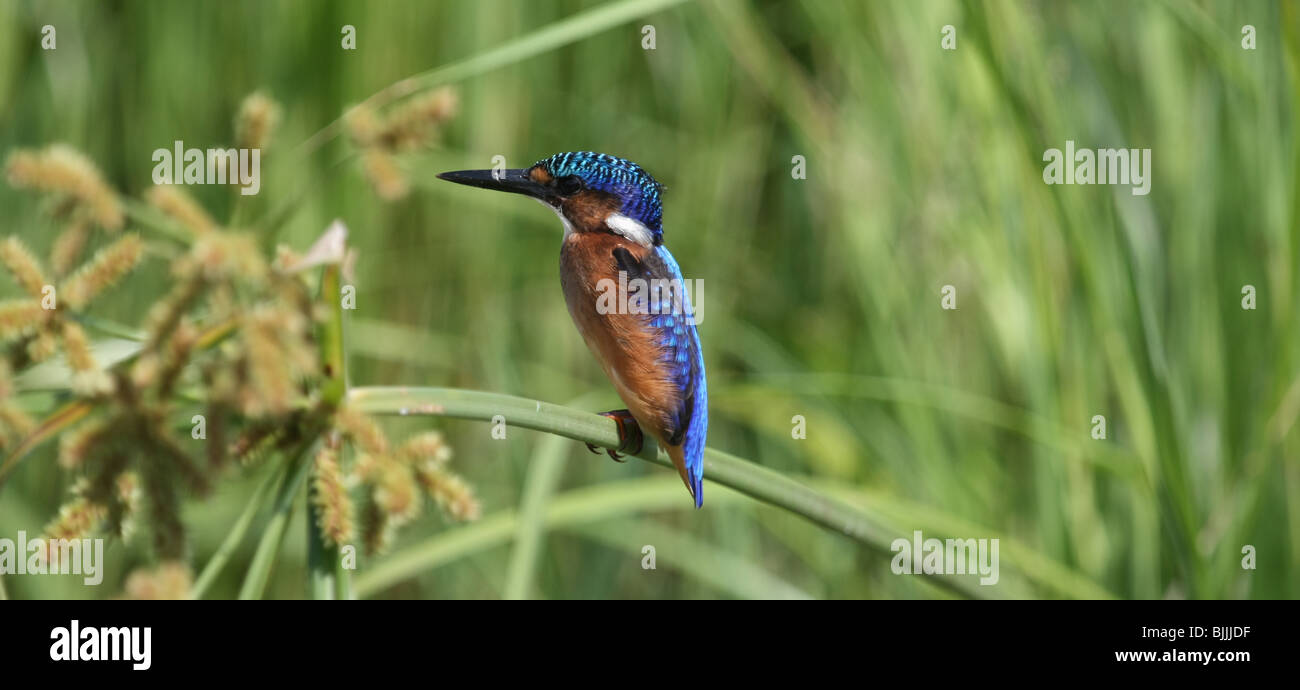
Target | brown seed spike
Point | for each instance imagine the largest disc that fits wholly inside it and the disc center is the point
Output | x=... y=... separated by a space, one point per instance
x=23 y=267
x=63 y=170
x=101 y=272
x=330 y=495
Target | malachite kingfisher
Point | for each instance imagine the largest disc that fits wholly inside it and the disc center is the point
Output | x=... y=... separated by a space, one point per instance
x=648 y=346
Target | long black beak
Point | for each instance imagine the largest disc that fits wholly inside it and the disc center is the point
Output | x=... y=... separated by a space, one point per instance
x=514 y=181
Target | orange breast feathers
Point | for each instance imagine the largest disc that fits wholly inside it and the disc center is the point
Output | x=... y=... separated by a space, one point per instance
x=627 y=349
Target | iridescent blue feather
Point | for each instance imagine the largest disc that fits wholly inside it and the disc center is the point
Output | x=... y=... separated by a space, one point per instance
x=640 y=193
x=682 y=352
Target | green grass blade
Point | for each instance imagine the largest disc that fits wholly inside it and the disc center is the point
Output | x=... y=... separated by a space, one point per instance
x=543 y=478
x=585 y=506
x=545 y=39
x=707 y=563
x=286 y=491
x=236 y=534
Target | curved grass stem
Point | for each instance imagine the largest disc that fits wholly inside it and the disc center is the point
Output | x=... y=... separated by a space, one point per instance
x=550 y=37
x=748 y=478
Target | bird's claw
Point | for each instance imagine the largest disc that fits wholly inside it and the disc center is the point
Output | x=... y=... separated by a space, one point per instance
x=630 y=438
x=597 y=450
x=612 y=454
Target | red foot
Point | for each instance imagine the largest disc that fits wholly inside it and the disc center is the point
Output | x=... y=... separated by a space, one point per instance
x=630 y=439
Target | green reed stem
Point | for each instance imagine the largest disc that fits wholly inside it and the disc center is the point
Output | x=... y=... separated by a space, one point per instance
x=744 y=476
x=550 y=37
x=268 y=548
x=236 y=534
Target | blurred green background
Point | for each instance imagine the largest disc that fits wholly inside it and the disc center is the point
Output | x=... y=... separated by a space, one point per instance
x=821 y=296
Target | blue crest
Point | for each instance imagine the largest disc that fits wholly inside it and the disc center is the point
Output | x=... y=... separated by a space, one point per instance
x=639 y=192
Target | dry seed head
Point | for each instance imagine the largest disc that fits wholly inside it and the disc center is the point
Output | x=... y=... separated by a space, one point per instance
x=174 y=202
x=396 y=492
x=42 y=346
x=87 y=378
x=285 y=258
x=24 y=267
x=128 y=503
x=271 y=367
x=145 y=371
x=256 y=443
x=19 y=317
x=414 y=123
x=387 y=179
x=428 y=448
x=77 y=347
x=443 y=104
x=170 y=580
x=330 y=495
x=104 y=270
x=363 y=126
x=68 y=246
x=77 y=518
x=362 y=430
x=226 y=256
x=165 y=315
x=376 y=529
x=452 y=493
x=364 y=468
x=77 y=444
x=176 y=353
x=184 y=336
x=61 y=169
x=258 y=116
x=14 y=423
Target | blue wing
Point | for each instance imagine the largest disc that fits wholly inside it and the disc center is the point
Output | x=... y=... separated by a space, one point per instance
x=671 y=316
x=682 y=354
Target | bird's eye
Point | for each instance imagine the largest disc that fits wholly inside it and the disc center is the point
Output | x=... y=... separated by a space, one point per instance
x=568 y=185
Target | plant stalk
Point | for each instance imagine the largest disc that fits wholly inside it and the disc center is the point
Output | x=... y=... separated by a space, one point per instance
x=748 y=478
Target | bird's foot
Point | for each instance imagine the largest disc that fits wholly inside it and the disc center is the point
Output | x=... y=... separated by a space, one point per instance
x=630 y=439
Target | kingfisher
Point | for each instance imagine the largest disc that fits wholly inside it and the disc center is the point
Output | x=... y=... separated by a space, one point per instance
x=647 y=344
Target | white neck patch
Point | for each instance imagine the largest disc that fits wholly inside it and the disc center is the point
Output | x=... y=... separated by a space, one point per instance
x=568 y=227
x=630 y=228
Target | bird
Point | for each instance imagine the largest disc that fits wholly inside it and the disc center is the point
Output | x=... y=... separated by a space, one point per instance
x=647 y=344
